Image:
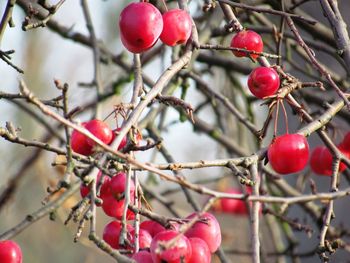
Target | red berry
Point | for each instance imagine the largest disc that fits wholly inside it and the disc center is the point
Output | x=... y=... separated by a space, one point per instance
x=180 y=252
x=346 y=153
x=200 y=251
x=152 y=227
x=111 y=233
x=145 y=239
x=85 y=190
x=346 y=142
x=288 y=153
x=177 y=27
x=140 y=26
x=79 y=142
x=124 y=140
x=105 y=189
x=142 y=257
x=100 y=130
x=114 y=208
x=321 y=160
x=263 y=82
x=10 y=252
x=234 y=206
x=249 y=40
x=208 y=229
x=118 y=183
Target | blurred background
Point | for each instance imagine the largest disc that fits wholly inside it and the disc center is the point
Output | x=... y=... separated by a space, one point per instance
x=45 y=56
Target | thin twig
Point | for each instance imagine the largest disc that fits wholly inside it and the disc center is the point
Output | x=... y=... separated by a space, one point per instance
x=269 y=11
x=339 y=27
x=96 y=55
x=47 y=209
x=248 y=52
x=315 y=63
x=254 y=215
x=6 y=18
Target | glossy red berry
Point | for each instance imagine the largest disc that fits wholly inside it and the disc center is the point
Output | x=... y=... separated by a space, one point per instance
x=85 y=189
x=142 y=257
x=114 y=208
x=124 y=140
x=111 y=233
x=79 y=142
x=152 y=227
x=100 y=130
x=346 y=142
x=177 y=27
x=288 y=153
x=208 y=229
x=346 y=152
x=200 y=251
x=140 y=26
x=145 y=238
x=233 y=206
x=10 y=252
x=118 y=183
x=181 y=251
x=263 y=82
x=321 y=160
x=249 y=40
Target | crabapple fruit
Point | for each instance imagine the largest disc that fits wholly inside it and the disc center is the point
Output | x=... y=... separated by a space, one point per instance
x=10 y=252
x=124 y=140
x=208 y=229
x=200 y=251
x=140 y=26
x=288 y=153
x=233 y=206
x=346 y=142
x=152 y=227
x=248 y=40
x=177 y=27
x=263 y=82
x=118 y=183
x=145 y=238
x=100 y=130
x=111 y=233
x=104 y=190
x=321 y=160
x=181 y=251
x=142 y=257
x=79 y=142
x=114 y=208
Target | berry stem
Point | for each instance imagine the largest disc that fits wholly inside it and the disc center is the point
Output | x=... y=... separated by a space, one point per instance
x=285 y=116
x=276 y=118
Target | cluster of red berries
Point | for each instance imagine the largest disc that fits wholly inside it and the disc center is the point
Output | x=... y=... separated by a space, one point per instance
x=321 y=158
x=288 y=153
x=141 y=24
x=204 y=235
x=112 y=194
x=262 y=81
x=195 y=246
x=10 y=252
